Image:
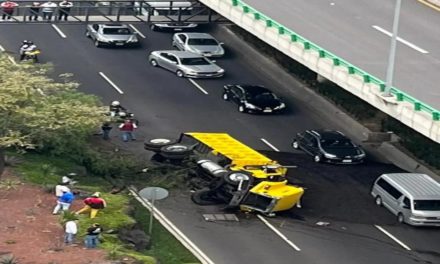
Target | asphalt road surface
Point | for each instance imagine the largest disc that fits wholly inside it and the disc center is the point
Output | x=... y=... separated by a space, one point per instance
x=359 y=32
x=167 y=105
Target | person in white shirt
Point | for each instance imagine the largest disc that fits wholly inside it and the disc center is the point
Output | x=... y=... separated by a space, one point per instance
x=64 y=9
x=71 y=228
x=60 y=189
x=48 y=8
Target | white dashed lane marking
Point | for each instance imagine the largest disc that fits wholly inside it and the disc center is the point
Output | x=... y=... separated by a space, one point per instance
x=111 y=83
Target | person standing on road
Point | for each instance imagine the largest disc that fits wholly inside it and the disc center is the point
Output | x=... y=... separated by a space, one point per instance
x=71 y=229
x=106 y=128
x=127 y=129
x=48 y=8
x=8 y=8
x=34 y=11
x=92 y=237
x=64 y=9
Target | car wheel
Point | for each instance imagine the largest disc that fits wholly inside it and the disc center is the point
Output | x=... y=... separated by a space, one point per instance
x=87 y=34
x=157 y=143
x=400 y=218
x=153 y=27
x=180 y=73
x=241 y=109
x=225 y=97
x=153 y=62
x=295 y=144
x=378 y=201
x=317 y=158
x=98 y=44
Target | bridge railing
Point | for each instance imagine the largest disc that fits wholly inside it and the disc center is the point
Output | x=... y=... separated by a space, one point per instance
x=308 y=45
x=181 y=11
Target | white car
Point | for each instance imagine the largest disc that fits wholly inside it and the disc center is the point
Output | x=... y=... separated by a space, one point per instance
x=185 y=64
x=200 y=43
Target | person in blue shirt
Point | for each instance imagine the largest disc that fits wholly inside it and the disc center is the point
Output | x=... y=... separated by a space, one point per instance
x=64 y=201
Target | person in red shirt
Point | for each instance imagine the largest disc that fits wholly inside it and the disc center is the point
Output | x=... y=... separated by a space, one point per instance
x=8 y=9
x=93 y=204
x=127 y=129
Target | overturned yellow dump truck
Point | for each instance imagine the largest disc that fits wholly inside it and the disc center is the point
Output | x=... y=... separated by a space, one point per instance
x=260 y=182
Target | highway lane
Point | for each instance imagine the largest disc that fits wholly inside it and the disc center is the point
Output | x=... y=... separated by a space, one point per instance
x=167 y=105
x=345 y=28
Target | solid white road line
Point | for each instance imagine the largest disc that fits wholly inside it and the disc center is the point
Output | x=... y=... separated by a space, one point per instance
x=165 y=222
x=392 y=237
x=270 y=145
x=10 y=58
x=409 y=44
x=137 y=31
x=59 y=31
x=278 y=233
x=111 y=83
x=198 y=86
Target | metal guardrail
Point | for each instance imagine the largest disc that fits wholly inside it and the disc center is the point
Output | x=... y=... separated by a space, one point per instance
x=308 y=45
x=172 y=11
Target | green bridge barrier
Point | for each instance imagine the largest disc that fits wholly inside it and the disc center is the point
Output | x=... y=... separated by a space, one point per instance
x=368 y=78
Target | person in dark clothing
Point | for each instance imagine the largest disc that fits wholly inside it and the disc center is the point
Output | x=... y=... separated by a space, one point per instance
x=64 y=9
x=106 y=127
x=34 y=11
x=115 y=108
x=92 y=237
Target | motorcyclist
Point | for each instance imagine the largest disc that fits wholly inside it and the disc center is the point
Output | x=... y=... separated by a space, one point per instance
x=28 y=46
x=116 y=108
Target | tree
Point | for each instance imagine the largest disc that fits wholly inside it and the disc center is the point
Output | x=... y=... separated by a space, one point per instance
x=38 y=112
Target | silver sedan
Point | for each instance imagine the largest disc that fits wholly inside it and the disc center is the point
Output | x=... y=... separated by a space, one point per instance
x=185 y=64
x=112 y=35
x=200 y=43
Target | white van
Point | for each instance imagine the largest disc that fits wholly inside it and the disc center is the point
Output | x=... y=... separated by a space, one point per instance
x=414 y=198
x=168 y=8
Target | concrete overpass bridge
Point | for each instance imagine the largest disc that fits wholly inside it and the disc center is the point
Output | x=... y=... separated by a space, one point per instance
x=416 y=103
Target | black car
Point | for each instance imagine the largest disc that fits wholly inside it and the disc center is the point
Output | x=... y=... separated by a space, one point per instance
x=329 y=146
x=253 y=99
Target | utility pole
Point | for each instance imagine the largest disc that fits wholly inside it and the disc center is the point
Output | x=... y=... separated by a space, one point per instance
x=392 y=55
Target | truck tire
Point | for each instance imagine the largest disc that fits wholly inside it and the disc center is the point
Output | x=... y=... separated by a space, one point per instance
x=157 y=143
x=175 y=151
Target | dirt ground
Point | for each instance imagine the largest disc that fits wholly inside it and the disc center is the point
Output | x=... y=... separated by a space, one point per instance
x=30 y=232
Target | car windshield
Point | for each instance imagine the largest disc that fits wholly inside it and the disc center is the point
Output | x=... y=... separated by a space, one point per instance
x=202 y=42
x=194 y=61
x=262 y=96
x=336 y=143
x=116 y=31
x=427 y=205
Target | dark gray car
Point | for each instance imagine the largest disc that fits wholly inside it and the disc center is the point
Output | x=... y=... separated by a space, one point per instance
x=112 y=35
x=185 y=64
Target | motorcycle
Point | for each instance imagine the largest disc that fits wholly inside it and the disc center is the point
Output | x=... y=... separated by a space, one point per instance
x=32 y=55
x=121 y=116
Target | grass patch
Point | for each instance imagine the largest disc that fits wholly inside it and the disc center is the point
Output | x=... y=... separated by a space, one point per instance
x=47 y=171
x=174 y=252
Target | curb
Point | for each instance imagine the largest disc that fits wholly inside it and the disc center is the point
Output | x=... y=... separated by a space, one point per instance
x=434 y=4
x=327 y=110
x=165 y=222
